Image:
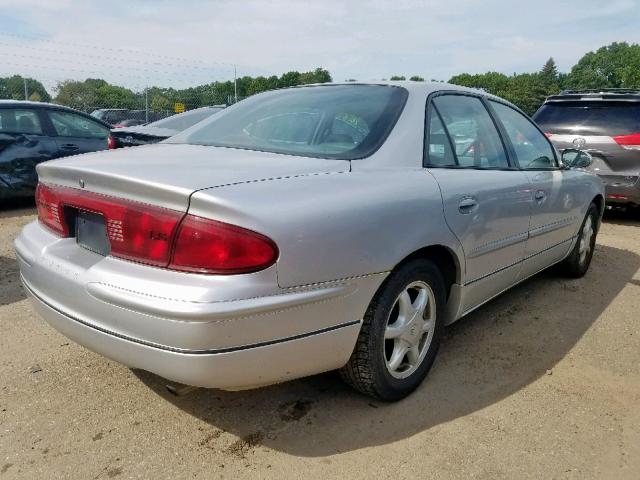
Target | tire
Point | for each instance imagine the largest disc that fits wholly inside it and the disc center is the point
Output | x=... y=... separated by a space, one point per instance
x=374 y=368
x=578 y=261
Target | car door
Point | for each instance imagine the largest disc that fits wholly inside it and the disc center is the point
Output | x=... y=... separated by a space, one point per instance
x=23 y=144
x=556 y=211
x=486 y=199
x=77 y=133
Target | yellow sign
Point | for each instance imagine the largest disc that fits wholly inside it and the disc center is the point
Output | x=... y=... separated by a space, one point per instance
x=178 y=107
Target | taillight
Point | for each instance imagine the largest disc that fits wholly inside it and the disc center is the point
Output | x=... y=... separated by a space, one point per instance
x=50 y=211
x=628 y=142
x=208 y=246
x=111 y=142
x=159 y=236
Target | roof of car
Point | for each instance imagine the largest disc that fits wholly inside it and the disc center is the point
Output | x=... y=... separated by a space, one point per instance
x=420 y=88
x=28 y=103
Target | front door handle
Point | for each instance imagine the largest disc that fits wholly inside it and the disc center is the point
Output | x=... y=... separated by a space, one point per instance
x=70 y=147
x=467 y=205
x=540 y=195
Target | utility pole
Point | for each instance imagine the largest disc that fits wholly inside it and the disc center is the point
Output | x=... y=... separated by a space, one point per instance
x=146 y=105
x=235 y=85
x=26 y=90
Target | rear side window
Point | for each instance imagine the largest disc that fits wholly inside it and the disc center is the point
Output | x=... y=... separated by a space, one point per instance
x=474 y=137
x=533 y=150
x=13 y=120
x=589 y=118
x=439 y=153
x=67 y=124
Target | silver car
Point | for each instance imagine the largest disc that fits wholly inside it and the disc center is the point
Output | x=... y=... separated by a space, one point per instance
x=306 y=230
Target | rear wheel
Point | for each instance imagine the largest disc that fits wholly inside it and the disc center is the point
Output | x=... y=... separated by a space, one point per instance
x=400 y=334
x=578 y=261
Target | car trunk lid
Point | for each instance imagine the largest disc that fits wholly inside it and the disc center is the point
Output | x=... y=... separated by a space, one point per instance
x=167 y=174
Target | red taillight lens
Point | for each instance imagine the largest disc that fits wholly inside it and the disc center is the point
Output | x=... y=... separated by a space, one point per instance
x=136 y=231
x=628 y=142
x=50 y=211
x=159 y=236
x=111 y=142
x=208 y=246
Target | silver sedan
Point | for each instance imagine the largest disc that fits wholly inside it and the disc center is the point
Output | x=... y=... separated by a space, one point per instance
x=306 y=230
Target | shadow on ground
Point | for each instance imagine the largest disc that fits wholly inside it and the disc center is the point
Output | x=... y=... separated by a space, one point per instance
x=11 y=208
x=10 y=287
x=491 y=354
x=622 y=216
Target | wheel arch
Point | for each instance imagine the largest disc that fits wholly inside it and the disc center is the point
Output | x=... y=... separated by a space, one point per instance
x=598 y=201
x=445 y=259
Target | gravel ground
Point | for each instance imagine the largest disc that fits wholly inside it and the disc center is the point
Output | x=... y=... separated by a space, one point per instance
x=543 y=382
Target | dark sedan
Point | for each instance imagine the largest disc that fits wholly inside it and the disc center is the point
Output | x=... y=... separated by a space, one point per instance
x=160 y=130
x=33 y=132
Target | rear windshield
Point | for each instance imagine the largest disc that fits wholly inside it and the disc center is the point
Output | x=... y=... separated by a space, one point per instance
x=590 y=118
x=182 y=121
x=337 y=121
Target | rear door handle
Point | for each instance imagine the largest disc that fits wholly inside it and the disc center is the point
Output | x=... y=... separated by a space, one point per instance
x=540 y=195
x=70 y=146
x=467 y=205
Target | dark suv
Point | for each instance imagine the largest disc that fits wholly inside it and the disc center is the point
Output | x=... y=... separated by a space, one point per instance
x=605 y=123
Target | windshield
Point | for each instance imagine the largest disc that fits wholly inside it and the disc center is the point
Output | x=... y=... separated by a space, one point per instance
x=182 y=121
x=338 y=121
x=589 y=118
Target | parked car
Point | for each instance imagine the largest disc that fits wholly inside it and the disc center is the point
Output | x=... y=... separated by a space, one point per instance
x=112 y=116
x=33 y=132
x=605 y=123
x=130 y=122
x=160 y=130
x=123 y=117
x=304 y=230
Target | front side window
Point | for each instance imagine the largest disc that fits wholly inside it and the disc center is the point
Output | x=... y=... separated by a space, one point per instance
x=67 y=124
x=533 y=150
x=14 y=120
x=342 y=122
x=474 y=137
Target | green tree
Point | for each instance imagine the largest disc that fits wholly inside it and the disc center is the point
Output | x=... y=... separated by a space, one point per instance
x=396 y=78
x=613 y=66
x=76 y=94
x=159 y=103
x=549 y=72
x=111 y=96
x=289 y=79
x=417 y=78
x=319 y=75
x=13 y=88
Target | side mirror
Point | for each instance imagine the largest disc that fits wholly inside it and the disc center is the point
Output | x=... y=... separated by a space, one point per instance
x=572 y=158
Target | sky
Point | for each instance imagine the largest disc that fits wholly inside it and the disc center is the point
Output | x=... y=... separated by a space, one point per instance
x=182 y=43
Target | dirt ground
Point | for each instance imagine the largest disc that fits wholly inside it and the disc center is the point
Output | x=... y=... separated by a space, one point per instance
x=543 y=382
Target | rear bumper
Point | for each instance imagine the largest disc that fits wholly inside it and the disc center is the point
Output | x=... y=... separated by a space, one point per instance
x=227 y=332
x=231 y=368
x=622 y=194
